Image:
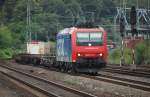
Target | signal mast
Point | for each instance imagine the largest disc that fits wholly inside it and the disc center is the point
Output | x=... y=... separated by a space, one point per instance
x=28 y=27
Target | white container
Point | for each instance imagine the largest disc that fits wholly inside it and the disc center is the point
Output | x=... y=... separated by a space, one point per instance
x=36 y=47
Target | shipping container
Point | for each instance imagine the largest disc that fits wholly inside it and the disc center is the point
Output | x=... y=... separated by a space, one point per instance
x=37 y=47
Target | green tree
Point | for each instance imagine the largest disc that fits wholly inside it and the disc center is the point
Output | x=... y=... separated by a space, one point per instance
x=45 y=26
x=5 y=37
x=8 y=10
x=18 y=32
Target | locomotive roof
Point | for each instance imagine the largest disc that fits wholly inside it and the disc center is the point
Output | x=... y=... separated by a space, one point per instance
x=70 y=30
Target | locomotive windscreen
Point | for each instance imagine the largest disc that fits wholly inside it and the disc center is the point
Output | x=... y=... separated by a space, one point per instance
x=89 y=38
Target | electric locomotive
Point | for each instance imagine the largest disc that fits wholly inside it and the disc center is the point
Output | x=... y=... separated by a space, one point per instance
x=81 y=49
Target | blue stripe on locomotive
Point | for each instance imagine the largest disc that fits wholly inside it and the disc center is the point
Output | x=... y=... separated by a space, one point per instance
x=64 y=50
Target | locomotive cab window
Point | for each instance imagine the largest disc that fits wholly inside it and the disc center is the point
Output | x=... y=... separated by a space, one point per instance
x=86 y=38
x=82 y=37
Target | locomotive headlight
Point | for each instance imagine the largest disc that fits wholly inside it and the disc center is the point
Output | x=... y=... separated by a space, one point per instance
x=74 y=60
x=101 y=54
x=79 y=54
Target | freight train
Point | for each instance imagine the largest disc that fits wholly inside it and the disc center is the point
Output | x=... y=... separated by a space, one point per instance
x=77 y=49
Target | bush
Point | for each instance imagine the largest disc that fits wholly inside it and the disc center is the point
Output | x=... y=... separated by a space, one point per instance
x=115 y=56
x=148 y=56
x=5 y=37
x=6 y=53
x=142 y=53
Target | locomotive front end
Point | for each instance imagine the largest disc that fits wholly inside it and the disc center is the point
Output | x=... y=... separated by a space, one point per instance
x=90 y=50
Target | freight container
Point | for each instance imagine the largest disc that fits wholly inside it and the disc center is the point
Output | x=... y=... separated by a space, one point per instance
x=37 y=47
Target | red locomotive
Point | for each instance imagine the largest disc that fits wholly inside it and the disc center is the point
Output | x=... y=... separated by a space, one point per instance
x=81 y=49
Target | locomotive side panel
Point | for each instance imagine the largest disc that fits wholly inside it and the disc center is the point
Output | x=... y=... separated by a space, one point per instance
x=64 y=50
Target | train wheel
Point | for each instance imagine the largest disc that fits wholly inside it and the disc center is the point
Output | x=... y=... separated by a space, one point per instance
x=95 y=73
x=62 y=67
x=65 y=67
x=68 y=67
x=103 y=65
x=34 y=62
x=58 y=65
x=73 y=68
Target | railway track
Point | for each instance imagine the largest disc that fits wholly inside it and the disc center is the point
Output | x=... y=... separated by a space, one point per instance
x=64 y=91
x=121 y=81
x=127 y=71
x=142 y=68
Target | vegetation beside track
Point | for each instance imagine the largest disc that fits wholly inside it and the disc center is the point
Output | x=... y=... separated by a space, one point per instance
x=114 y=57
x=142 y=54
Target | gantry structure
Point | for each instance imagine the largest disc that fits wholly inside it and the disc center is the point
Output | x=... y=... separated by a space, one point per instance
x=143 y=20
